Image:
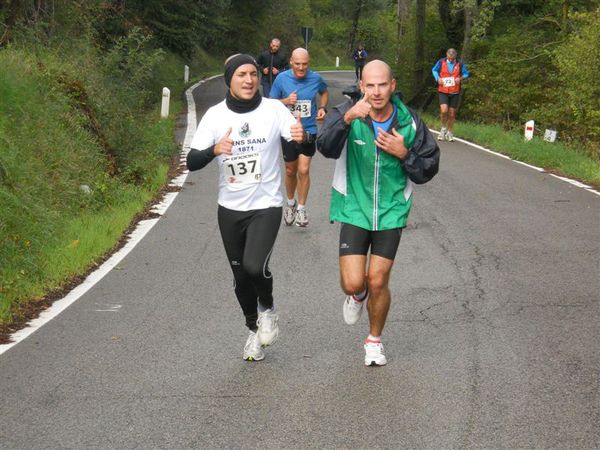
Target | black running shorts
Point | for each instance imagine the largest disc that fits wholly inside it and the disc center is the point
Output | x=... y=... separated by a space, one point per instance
x=291 y=150
x=356 y=241
x=449 y=99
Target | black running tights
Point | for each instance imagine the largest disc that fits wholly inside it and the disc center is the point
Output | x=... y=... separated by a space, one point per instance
x=248 y=237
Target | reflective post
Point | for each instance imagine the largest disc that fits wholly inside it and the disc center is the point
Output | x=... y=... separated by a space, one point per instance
x=164 y=109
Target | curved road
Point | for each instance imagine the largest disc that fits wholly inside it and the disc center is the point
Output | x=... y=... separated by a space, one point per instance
x=492 y=339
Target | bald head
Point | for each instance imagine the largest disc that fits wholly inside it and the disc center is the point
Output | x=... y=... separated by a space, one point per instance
x=300 y=53
x=378 y=85
x=378 y=68
x=300 y=61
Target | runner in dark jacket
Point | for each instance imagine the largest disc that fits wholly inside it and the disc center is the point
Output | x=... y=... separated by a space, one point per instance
x=270 y=63
x=359 y=55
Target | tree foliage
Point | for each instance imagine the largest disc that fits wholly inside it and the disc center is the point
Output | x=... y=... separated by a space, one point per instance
x=528 y=58
x=539 y=67
x=577 y=63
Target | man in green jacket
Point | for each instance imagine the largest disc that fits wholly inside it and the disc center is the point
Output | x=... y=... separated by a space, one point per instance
x=373 y=140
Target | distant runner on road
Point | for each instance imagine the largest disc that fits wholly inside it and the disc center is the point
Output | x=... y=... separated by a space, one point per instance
x=243 y=133
x=373 y=141
x=449 y=74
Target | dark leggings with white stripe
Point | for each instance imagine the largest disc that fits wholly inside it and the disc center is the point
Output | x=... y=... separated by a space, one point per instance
x=248 y=237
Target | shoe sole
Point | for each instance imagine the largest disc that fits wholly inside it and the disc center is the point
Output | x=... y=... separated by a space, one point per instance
x=301 y=225
x=253 y=359
x=375 y=364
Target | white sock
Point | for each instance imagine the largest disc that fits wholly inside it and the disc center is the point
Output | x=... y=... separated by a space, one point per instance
x=373 y=339
x=291 y=202
x=301 y=206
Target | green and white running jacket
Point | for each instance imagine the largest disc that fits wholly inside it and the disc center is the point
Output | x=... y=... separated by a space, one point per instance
x=371 y=189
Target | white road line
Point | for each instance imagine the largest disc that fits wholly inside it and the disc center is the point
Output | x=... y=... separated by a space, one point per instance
x=134 y=238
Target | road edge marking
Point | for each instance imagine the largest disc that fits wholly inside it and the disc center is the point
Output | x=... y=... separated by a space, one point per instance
x=571 y=181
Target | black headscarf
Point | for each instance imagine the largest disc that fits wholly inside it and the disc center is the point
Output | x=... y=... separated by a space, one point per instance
x=235 y=104
x=236 y=61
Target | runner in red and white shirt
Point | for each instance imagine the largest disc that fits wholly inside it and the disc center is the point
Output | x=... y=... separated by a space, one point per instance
x=449 y=74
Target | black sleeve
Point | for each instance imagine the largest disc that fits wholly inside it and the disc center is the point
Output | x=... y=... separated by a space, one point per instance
x=334 y=132
x=197 y=159
x=261 y=62
x=423 y=160
x=283 y=63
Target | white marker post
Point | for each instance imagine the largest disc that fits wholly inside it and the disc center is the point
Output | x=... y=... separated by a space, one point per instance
x=164 y=109
x=550 y=135
x=529 y=126
x=337 y=61
x=186 y=74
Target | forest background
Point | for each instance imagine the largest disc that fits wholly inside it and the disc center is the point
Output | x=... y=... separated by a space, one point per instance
x=82 y=149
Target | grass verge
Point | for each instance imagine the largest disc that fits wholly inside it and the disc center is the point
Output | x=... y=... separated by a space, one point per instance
x=555 y=157
x=41 y=260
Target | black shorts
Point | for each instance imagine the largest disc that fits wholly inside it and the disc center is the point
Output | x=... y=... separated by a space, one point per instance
x=449 y=99
x=356 y=241
x=291 y=150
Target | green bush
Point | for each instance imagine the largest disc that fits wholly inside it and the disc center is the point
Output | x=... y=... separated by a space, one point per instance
x=130 y=65
x=577 y=61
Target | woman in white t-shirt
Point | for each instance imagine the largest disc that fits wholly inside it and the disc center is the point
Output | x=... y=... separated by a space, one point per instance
x=243 y=134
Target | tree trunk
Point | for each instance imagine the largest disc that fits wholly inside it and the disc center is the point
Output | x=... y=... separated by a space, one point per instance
x=564 y=19
x=355 y=20
x=419 y=45
x=13 y=13
x=403 y=8
x=453 y=24
x=470 y=12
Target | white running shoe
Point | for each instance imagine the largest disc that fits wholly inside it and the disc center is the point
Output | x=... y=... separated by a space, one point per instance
x=289 y=214
x=450 y=136
x=374 y=354
x=252 y=350
x=442 y=134
x=268 y=329
x=352 y=310
x=301 y=218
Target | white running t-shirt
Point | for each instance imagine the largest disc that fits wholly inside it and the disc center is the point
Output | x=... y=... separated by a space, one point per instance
x=249 y=178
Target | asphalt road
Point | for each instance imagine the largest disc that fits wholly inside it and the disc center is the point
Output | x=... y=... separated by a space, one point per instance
x=492 y=339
